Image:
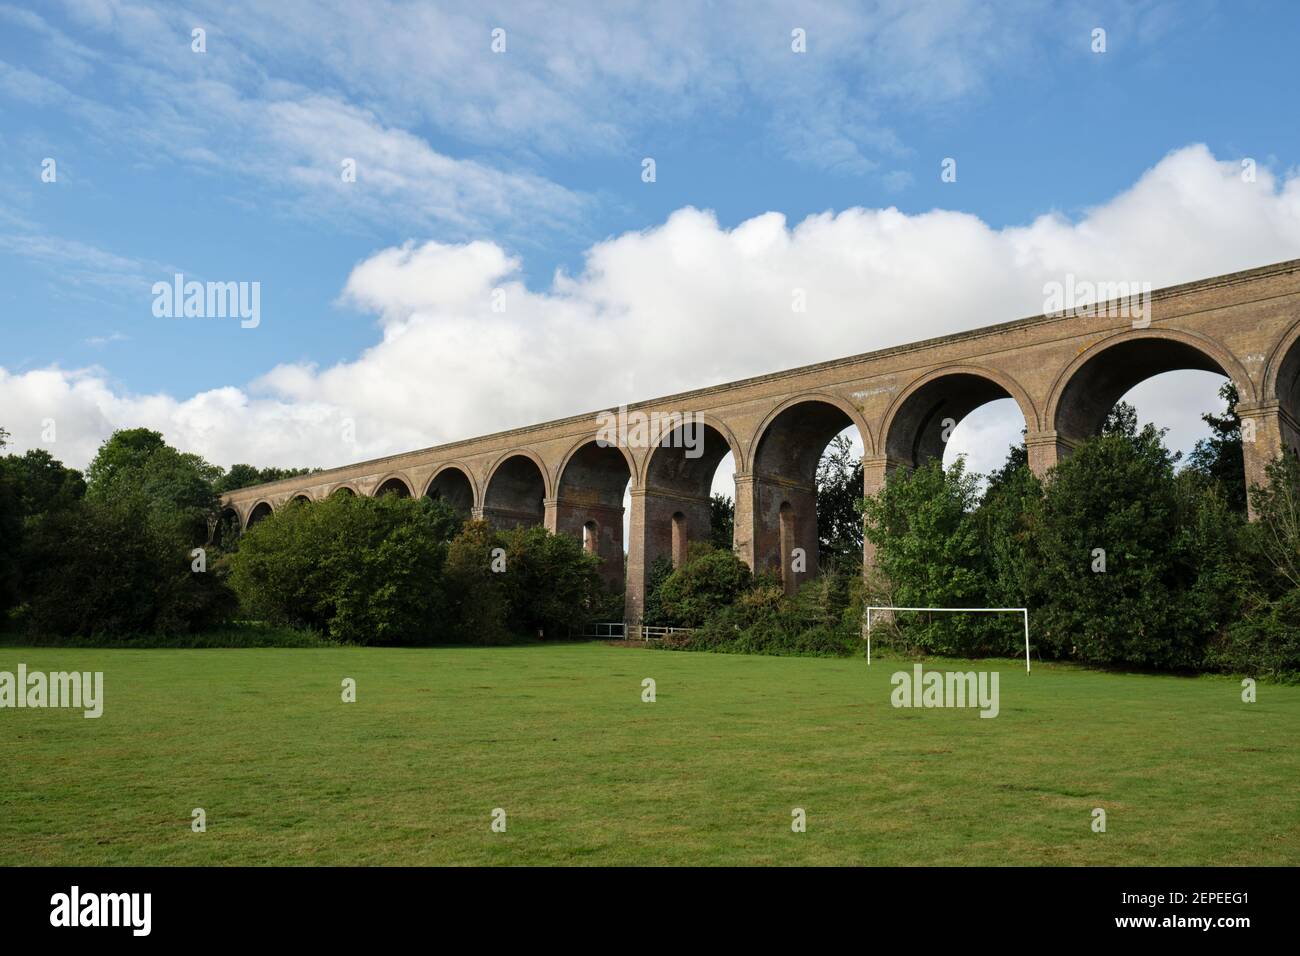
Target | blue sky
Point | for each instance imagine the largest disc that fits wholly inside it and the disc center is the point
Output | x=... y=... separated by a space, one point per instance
x=480 y=170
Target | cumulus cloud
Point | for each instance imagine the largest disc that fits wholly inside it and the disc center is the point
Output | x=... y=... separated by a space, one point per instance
x=467 y=348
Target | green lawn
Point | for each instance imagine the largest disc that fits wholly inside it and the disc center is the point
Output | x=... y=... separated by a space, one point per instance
x=559 y=737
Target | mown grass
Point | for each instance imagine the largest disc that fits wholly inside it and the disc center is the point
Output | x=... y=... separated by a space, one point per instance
x=559 y=737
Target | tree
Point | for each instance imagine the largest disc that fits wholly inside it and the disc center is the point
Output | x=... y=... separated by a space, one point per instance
x=1218 y=459
x=722 y=521
x=710 y=578
x=550 y=583
x=1106 y=574
x=245 y=476
x=360 y=570
x=11 y=533
x=177 y=487
x=839 y=492
x=930 y=547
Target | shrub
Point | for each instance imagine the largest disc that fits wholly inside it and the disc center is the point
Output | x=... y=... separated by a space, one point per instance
x=106 y=569
x=361 y=570
x=709 y=579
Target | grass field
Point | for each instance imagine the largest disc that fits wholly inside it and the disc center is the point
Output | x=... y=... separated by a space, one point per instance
x=559 y=737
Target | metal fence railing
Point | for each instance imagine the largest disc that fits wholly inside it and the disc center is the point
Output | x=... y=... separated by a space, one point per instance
x=640 y=632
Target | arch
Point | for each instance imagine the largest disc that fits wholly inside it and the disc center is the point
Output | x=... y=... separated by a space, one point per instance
x=790 y=441
x=346 y=488
x=393 y=484
x=228 y=527
x=1088 y=388
x=914 y=429
x=301 y=496
x=722 y=435
x=785 y=453
x=584 y=445
x=453 y=483
x=1282 y=373
x=516 y=491
x=851 y=413
x=258 y=512
x=589 y=502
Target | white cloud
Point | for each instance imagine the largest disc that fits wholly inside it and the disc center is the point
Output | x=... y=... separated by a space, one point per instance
x=682 y=305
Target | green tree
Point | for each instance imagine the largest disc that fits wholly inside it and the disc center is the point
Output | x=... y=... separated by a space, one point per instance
x=245 y=476
x=1113 y=499
x=839 y=495
x=11 y=534
x=550 y=583
x=930 y=547
x=1218 y=459
x=360 y=570
x=722 y=521
x=710 y=578
x=178 y=487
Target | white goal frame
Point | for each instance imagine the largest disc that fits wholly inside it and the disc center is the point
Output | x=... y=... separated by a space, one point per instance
x=968 y=610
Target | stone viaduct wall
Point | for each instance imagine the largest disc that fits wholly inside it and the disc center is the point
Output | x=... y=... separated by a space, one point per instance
x=1065 y=372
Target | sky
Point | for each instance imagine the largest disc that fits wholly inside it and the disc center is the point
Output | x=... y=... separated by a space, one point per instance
x=449 y=214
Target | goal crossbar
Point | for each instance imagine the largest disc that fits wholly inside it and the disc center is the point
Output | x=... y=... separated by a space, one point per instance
x=965 y=610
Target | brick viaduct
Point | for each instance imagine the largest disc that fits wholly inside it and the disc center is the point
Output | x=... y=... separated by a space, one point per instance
x=1064 y=371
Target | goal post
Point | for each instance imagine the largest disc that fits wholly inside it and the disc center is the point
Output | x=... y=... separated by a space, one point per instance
x=964 y=610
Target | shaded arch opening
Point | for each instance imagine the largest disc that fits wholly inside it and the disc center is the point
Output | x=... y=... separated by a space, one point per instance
x=300 y=499
x=260 y=512
x=691 y=473
x=453 y=486
x=591 y=505
x=226 y=532
x=1287 y=392
x=393 y=486
x=345 y=490
x=791 y=536
x=926 y=421
x=1096 y=386
x=516 y=494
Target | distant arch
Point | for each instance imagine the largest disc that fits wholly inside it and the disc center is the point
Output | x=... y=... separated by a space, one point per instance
x=346 y=488
x=259 y=512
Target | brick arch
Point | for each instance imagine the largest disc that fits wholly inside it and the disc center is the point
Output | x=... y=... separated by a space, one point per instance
x=253 y=512
x=633 y=470
x=516 y=507
x=1281 y=380
x=719 y=426
x=394 y=476
x=343 y=486
x=850 y=412
x=918 y=407
x=476 y=498
x=1085 y=391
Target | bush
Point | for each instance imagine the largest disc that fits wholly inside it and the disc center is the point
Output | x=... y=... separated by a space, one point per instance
x=709 y=579
x=361 y=570
x=105 y=569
